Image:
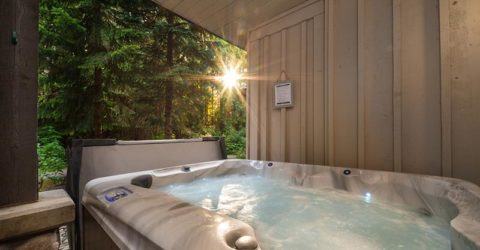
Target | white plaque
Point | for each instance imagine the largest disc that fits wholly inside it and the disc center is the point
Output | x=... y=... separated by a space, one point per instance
x=283 y=95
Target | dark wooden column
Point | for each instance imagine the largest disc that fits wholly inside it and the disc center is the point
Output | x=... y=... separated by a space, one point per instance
x=18 y=101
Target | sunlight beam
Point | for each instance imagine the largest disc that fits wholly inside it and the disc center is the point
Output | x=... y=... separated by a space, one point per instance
x=230 y=78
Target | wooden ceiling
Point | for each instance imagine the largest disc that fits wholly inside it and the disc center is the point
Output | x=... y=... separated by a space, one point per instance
x=229 y=19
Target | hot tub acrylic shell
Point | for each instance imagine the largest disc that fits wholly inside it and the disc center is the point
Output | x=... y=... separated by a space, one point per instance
x=145 y=218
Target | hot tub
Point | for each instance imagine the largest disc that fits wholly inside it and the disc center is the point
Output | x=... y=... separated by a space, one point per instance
x=243 y=204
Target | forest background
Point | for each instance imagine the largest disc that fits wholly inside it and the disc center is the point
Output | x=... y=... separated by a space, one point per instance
x=130 y=70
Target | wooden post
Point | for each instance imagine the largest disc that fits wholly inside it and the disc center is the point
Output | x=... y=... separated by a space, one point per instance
x=18 y=101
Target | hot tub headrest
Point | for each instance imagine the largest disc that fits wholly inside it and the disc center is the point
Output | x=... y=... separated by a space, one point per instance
x=144 y=181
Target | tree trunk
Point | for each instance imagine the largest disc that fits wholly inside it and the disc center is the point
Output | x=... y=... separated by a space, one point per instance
x=98 y=107
x=169 y=84
x=95 y=46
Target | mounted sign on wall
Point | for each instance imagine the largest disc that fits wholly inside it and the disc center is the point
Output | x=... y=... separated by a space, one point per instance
x=283 y=94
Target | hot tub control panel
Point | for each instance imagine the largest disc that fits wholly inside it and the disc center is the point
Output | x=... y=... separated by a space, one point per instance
x=115 y=194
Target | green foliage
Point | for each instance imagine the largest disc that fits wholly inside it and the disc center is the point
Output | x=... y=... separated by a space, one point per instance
x=51 y=155
x=103 y=73
x=235 y=142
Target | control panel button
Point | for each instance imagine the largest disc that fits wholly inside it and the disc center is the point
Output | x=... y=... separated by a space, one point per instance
x=115 y=194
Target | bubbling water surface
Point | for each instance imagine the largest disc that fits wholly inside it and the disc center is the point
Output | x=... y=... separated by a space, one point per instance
x=289 y=217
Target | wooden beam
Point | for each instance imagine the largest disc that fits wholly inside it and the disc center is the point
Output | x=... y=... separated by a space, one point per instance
x=53 y=209
x=18 y=101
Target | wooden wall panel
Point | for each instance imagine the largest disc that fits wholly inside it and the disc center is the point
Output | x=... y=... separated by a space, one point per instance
x=319 y=92
x=465 y=86
x=397 y=85
x=294 y=70
x=378 y=84
x=315 y=120
x=344 y=83
x=329 y=35
x=420 y=62
x=253 y=100
x=446 y=87
x=376 y=64
x=287 y=45
x=274 y=69
x=265 y=113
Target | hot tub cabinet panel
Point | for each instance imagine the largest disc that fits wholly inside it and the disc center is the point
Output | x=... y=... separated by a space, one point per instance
x=140 y=216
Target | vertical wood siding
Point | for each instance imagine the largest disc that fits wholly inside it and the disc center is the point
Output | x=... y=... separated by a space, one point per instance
x=287 y=45
x=464 y=84
x=378 y=84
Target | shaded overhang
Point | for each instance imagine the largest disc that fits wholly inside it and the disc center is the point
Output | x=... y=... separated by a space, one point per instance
x=229 y=19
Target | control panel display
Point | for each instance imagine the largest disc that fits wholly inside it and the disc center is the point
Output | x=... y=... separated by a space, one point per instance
x=115 y=194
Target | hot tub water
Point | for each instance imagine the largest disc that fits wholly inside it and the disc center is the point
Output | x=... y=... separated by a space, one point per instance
x=289 y=217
